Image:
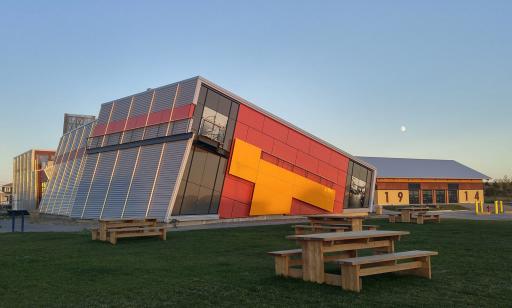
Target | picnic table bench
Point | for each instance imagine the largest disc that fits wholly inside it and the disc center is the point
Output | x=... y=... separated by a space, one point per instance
x=352 y=269
x=112 y=229
x=422 y=217
x=307 y=229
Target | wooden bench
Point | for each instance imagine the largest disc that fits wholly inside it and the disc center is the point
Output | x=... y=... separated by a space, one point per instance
x=394 y=218
x=114 y=234
x=302 y=229
x=416 y=263
x=421 y=217
x=285 y=259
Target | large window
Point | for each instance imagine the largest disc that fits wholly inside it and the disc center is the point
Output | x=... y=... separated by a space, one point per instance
x=201 y=186
x=358 y=186
x=427 y=197
x=414 y=193
x=453 y=196
x=440 y=196
x=215 y=117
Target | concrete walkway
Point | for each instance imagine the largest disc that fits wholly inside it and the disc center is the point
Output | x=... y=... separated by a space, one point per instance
x=48 y=223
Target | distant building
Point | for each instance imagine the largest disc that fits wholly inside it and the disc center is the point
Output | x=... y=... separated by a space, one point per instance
x=29 y=182
x=403 y=181
x=73 y=121
x=6 y=194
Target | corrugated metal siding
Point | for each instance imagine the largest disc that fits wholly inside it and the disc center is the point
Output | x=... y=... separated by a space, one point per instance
x=165 y=183
x=68 y=165
x=141 y=104
x=138 y=198
x=186 y=92
x=100 y=184
x=180 y=127
x=120 y=183
x=84 y=186
x=120 y=111
x=164 y=98
x=105 y=113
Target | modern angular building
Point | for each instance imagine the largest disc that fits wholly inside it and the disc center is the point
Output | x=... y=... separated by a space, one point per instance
x=193 y=148
x=403 y=181
x=29 y=182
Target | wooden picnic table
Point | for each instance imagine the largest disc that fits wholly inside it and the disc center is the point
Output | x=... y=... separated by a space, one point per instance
x=355 y=219
x=406 y=212
x=315 y=246
x=106 y=223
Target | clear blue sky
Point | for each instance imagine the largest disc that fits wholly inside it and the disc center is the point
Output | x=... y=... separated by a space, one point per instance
x=350 y=72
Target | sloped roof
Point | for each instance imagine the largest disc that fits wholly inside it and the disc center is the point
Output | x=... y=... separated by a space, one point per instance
x=388 y=167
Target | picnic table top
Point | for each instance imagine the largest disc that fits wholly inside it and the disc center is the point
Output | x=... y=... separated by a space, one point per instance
x=340 y=216
x=413 y=208
x=352 y=235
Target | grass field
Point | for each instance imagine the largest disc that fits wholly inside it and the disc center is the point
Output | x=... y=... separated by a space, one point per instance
x=229 y=267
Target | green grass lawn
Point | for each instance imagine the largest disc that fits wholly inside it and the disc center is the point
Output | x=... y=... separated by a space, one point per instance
x=229 y=267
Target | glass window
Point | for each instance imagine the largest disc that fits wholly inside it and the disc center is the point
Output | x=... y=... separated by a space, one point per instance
x=453 y=196
x=427 y=197
x=357 y=190
x=414 y=196
x=440 y=196
x=200 y=190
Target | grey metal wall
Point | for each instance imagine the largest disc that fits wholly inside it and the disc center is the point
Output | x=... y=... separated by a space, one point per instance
x=24 y=182
x=60 y=194
x=129 y=181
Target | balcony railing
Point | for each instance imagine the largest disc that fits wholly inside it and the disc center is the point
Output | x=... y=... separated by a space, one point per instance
x=212 y=131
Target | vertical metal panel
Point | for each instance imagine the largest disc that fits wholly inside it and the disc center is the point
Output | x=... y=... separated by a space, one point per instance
x=58 y=170
x=164 y=98
x=165 y=183
x=105 y=113
x=71 y=174
x=141 y=104
x=69 y=161
x=44 y=201
x=99 y=185
x=84 y=186
x=120 y=111
x=142 y=183
x=180 y=127
x=186 y=92
x=120 y=183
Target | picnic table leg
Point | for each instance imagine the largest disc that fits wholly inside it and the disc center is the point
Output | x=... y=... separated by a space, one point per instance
x=406 y=216
x=103 y=232
x=357 y=225
x=312 y=261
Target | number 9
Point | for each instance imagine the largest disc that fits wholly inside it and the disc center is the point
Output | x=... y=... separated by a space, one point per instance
x=400 y=196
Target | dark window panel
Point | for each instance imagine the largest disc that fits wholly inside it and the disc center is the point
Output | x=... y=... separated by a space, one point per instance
x=233 y=113
x=197 y=167
x=212 y=100
x=210 y=170
x=224 y=105
x=203 y=200
x=221 y=171
x=190 y=199
x=427 y=197
x=214 y=207
x=202 y=95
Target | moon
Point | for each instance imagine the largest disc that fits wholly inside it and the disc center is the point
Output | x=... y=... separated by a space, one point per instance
x=403 y=129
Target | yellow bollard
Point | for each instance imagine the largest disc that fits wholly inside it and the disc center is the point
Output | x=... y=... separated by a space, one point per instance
x=496 y=207
x=501 y=207
x=476 y=207
x=481 y=207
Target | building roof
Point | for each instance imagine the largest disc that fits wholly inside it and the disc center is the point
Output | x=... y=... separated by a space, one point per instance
x=388 y=167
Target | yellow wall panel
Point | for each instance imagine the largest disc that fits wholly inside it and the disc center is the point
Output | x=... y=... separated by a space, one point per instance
x=392 y=197
x=470 y=196
x=275 y=187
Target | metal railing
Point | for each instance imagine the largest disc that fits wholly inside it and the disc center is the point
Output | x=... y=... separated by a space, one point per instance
x=212 y=130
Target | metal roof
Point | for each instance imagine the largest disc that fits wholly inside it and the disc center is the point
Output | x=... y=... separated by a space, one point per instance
x=388 y=167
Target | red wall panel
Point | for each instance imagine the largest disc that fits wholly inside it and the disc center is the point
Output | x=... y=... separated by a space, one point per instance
x=289 y=149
